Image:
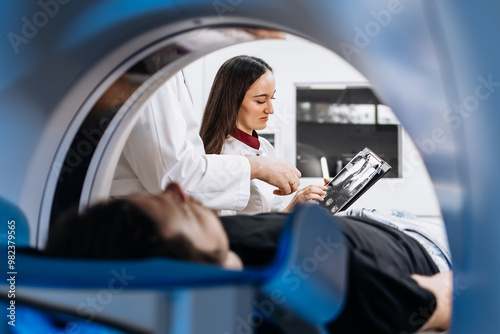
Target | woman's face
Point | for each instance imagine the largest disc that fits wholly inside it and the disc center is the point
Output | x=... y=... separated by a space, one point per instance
x=257 y=105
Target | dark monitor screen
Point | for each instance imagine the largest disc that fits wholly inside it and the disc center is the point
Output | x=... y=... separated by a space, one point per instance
x=339 y=143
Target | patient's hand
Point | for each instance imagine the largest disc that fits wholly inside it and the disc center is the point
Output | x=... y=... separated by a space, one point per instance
x=441 y=285
x=279 y=173
x=307 y=194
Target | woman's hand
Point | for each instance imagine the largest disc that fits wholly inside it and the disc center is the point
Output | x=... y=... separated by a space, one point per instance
x=279 y=173
x=306 y=194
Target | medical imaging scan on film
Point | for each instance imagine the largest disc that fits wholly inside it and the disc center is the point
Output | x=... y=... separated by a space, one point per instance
x=353 y=180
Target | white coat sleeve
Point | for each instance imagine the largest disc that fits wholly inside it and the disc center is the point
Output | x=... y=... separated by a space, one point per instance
x=164 y=147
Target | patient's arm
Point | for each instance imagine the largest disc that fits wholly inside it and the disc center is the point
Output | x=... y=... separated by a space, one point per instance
x=441 y=285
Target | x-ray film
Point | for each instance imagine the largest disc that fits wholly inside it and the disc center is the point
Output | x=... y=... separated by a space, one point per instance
x=353 y=180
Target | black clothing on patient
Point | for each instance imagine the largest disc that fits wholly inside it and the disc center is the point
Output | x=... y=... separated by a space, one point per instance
x=381 y=296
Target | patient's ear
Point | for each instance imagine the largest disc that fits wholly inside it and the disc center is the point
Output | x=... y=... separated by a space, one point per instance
x=175 y=190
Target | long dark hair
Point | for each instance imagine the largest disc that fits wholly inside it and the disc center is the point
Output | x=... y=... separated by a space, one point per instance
x=230 y=85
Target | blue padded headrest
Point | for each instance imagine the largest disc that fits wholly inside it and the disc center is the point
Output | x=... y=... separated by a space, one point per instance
x=13 y=223
x=153 y=273
x=310 y=240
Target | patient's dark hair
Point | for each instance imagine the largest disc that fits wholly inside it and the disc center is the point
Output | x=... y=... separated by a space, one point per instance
x=117 y=229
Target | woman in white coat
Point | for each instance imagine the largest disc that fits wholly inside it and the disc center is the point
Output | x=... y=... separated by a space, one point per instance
x=239 y=103
x=164 y=146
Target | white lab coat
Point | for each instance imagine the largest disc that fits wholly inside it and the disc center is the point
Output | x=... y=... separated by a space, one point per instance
x=262 y=198
x=164 y=146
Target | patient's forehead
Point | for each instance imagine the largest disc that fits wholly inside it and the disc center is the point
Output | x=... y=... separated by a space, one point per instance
x=175 y=215
x=181 y=215
x=163 y=210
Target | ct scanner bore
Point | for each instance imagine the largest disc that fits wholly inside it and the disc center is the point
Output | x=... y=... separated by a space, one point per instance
x=54 y=73
x=88 y=167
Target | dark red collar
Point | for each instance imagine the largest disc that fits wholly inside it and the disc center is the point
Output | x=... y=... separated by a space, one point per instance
x=245 y=138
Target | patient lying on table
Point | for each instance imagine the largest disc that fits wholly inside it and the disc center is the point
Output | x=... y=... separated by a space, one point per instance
x=391 y=276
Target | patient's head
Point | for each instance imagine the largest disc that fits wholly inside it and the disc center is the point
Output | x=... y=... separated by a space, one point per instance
x=170 y=224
